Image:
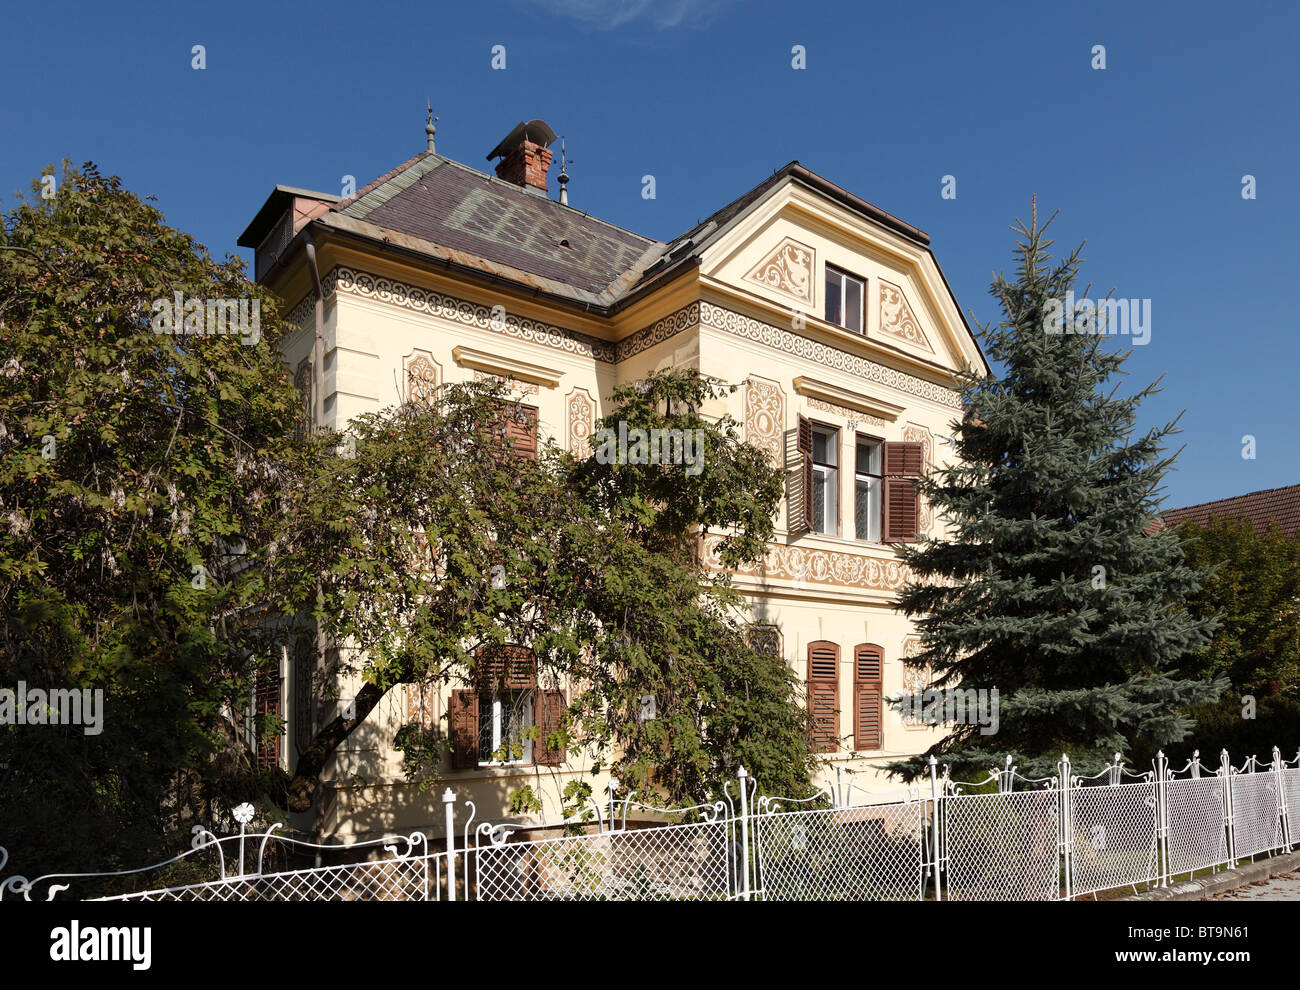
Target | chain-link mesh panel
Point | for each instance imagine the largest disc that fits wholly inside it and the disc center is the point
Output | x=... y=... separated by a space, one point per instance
x=672 y=862
x=1197 y=836
x=1256 y=825
x=1114 y=828
x=1003 y=847
x=872 y=853
x=1291 y=789
x=385 y=880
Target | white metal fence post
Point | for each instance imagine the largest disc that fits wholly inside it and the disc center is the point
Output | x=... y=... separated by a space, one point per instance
x=1283 y=817
x=449 y=804
x=934 y=826
x=1067 y=827
x=1225 y=771
x=743 y=776
x=1162 y=819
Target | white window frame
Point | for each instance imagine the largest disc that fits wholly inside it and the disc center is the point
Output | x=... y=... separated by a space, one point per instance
x=521 y=698
x=826 y=479
x=831 y=271
x=876 y=521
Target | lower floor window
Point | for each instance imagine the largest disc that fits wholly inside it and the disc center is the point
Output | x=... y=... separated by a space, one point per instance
x=502 y=719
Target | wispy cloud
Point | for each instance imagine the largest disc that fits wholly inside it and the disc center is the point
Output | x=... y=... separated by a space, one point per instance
x=605 y=15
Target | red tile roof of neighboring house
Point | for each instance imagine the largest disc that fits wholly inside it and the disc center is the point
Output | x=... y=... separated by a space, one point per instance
x=1280 y=505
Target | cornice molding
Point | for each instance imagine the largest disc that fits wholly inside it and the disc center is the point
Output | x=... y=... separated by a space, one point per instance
x=837 y=396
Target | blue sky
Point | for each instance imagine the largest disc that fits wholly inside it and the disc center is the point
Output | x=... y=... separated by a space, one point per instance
x=1143 y=159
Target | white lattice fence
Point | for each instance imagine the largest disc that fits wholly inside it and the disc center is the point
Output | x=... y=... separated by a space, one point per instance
x=870 y=853
x=1291 y=789
x=1115 y=836
x=1256 y=824
x=1197 y=836
x=1003 y=847
x=671 y=862
x=391 y=880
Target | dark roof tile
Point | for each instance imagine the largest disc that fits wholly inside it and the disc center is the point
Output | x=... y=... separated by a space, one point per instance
x=1280 y=505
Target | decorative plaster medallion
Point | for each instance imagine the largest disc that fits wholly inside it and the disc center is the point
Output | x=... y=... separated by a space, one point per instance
x=422 y=375
x=765 y=417
x=919 y=434
x=897 y=319
x=421 y=705
x=579 y=414
x=915 y=680
x=789 y=269
x=765 y=638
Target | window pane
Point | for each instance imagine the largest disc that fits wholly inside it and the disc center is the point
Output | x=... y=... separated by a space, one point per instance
x=819 y=501
x=832 y=296
x=866 y=509
x=868 y=457
x=486 y=728
x=825 y=443
x=852 y=304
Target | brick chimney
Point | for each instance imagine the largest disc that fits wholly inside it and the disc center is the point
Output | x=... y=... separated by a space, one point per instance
x=524 y=155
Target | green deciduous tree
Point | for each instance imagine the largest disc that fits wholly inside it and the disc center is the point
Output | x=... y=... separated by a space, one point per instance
x=168 y=525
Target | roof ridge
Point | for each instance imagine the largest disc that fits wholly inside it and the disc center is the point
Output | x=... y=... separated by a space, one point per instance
x=376 y=183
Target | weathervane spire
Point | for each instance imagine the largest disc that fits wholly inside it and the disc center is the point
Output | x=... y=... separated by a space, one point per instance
x=429 y=129
x=563 y=177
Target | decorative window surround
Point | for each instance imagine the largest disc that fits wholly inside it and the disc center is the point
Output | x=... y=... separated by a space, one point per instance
x=835 y=395
x=505 y=367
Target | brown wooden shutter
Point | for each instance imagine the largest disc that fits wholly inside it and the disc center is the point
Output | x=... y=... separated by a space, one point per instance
x=549 y=711
x=509 y=667
x=269 y=694
x=824 y=695
x=463 y=726
x=521 y=430
x=521 y=668
x=804 y=444
x=903 y=464
x=868 y=684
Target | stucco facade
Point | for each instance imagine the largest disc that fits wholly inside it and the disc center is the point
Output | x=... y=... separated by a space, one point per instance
x=404 y=313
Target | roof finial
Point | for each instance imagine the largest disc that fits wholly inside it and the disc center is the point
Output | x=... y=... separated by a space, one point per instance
x=429 y=129
x=563 y=177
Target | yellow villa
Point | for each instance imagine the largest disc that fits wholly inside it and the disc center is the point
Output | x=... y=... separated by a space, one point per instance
x=832 y=315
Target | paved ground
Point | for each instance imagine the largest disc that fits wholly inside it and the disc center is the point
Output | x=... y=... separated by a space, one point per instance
x=1278 y=887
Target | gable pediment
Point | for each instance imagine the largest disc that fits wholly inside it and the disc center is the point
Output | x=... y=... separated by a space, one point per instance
x=777 y=253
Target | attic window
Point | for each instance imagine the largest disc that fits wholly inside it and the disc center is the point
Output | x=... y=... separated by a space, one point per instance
x=564 y=242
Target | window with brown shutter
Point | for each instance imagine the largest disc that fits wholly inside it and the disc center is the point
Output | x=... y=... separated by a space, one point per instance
x=824 y=695
x=507 y=666
x=904 y=463
x=268 y=701
x=550 y=710
x=868 y=689
x=520 y=428
x=463 y=728
x=799 y=511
